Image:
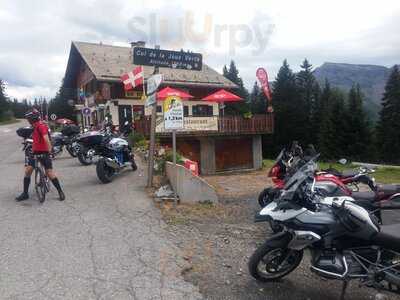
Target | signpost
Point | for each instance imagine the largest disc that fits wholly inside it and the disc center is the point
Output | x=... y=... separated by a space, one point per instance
x=167 y=59
x=152 y=85
x=173 y=120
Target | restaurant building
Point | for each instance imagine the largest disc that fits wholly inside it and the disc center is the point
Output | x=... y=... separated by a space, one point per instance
x=217 y=143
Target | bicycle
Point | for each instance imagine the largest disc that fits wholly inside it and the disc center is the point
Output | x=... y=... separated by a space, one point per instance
x=42 y=184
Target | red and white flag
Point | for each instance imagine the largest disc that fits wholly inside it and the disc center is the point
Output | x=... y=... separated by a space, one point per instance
x=133 y=79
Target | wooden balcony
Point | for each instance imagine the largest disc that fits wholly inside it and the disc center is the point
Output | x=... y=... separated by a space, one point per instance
x=228 y=125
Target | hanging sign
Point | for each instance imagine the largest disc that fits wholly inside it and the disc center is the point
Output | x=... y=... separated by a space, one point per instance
x=152 y=85
x=173 y=113
x=167 y=59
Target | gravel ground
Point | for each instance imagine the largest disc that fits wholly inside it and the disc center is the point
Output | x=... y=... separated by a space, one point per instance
x=218 y=240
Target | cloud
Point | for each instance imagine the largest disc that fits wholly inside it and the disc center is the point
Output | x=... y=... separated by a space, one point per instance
x=256 y=33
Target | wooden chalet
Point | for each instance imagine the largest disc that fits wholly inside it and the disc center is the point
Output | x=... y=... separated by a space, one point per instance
x=216 y=143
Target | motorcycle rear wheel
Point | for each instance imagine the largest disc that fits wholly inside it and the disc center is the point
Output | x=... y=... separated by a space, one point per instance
x=272 y=261
x=71 y=151
x=104 y=172
x=84 y=159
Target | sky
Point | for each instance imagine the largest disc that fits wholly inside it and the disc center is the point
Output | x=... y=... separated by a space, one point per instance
x=35 y=36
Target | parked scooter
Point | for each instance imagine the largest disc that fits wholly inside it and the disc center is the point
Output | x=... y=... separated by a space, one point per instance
x=345 y=241
x=115 y=155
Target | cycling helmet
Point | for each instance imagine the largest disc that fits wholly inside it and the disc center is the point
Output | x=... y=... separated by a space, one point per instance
x=33 y=115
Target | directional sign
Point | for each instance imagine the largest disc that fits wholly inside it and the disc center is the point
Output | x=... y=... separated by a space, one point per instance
x=167 y=59
x=152 y=84
x=53 y=117
x=86 y=111
x=173 y=113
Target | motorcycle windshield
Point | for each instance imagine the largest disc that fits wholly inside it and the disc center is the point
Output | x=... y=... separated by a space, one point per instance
x=306 y=171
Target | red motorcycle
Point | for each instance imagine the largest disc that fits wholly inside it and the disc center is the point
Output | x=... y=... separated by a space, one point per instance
x=332 y=183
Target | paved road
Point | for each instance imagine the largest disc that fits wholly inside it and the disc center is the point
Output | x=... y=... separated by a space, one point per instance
x=103 y=242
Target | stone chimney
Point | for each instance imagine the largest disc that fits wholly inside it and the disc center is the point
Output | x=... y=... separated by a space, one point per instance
x=134 y=45
x=138 y=44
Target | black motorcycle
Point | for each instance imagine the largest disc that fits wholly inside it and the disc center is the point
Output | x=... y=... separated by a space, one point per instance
x=115 y=155
x=345 y=241
x=66 y=138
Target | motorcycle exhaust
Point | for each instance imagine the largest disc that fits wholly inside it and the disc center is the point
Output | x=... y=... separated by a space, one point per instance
x=391 y=278
x=112 y=164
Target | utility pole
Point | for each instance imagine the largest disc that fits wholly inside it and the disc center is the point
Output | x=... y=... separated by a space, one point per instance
x=152 y=135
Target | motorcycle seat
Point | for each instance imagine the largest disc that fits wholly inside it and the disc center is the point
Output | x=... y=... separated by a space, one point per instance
x=389 y=189
x=364 y=196
x=388 y=236
x=348 y=173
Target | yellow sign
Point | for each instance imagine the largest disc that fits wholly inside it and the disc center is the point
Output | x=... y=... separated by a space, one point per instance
x=173 y=113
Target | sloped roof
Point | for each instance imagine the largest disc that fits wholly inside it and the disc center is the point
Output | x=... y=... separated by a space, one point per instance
x=108 y=63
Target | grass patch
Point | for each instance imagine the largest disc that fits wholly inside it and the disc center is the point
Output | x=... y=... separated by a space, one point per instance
x=200 y=212
x=11 y=121
x=382 y=174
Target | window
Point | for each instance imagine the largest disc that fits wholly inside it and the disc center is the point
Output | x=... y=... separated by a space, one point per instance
x=159 y=109
x=186 y=111
x=202 y=110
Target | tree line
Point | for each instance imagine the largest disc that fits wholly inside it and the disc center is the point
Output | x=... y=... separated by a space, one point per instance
x=332 y=120
x=13 y=108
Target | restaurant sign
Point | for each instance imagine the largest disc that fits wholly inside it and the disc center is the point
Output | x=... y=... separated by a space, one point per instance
x=192 y=124
x=167 y=59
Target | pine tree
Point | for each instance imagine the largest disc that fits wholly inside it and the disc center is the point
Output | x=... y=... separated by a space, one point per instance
x=307 y=87
x=358 y=130
x=257 y=100
x=238 y=107
x=388 y=129
x=4 y=104
x=326 y=130
x=285 y=99
x=59 y=105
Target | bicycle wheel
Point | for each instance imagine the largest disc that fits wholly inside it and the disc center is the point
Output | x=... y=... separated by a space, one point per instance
x=40 y=184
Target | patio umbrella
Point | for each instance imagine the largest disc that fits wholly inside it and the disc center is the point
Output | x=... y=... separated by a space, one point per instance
x=64 y=121
x=167 y=92
x=222 y=96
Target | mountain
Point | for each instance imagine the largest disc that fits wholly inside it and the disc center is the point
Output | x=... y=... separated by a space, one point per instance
x=372 y=80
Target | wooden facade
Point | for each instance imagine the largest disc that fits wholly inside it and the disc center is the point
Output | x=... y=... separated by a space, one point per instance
x=216 y=143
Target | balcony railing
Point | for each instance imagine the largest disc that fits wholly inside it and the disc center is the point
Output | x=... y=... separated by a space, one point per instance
x=228 y=125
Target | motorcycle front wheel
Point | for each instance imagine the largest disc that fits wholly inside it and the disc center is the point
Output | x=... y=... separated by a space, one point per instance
x=272 y=260
x=104 y=172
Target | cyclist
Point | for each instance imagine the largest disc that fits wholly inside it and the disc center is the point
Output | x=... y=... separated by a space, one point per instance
x=41 y=146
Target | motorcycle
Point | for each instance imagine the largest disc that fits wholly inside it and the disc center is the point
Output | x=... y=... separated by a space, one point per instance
x=26 y=134
x=89 y=143
x=329 y=182
x=345 y=241
x=115 y=155
x=67 y=137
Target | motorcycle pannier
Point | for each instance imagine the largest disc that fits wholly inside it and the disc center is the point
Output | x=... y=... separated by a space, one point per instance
x=25 y=132
x=70 y=130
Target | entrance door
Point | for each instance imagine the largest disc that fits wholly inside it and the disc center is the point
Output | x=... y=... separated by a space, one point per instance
x=125 y=114
x=233 y=153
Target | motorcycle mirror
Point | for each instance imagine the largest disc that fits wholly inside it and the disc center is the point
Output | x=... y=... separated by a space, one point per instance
x=342 y=161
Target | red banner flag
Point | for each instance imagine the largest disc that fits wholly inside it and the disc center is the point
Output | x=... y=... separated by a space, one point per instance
x=133 y=79
x=262 y=76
